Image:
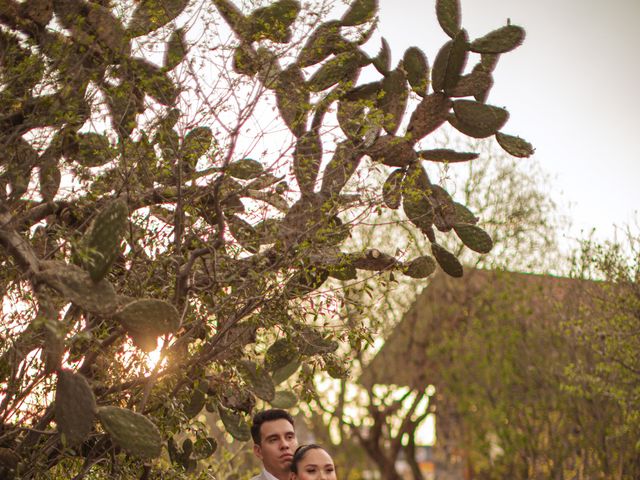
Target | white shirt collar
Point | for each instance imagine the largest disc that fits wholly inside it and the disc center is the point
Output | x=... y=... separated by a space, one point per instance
x=267 y=475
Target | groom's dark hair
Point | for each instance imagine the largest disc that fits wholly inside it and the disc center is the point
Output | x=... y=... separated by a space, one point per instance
x=268 y=416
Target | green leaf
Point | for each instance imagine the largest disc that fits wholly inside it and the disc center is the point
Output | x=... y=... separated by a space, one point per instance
x=280 y=354
x=447 y=260
x=501 y=40
x=75 y=407
x=132 y=431
x=359 y=12
x=474 y=237
x=449 y=16
x=515 y=146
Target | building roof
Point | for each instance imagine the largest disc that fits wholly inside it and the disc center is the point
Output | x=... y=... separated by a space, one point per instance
x=447 y=302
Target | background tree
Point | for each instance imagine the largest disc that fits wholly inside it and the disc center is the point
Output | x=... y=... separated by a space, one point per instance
x=384 y=420
x=133 y=219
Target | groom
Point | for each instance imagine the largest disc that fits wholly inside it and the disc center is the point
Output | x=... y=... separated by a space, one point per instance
x=274 y=441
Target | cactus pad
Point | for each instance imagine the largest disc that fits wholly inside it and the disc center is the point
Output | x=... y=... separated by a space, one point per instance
x=449 y=17
x=195 y=145
x=392 y=151
x=259 y=379
x=382 y=61
x=75 y=407
x=474 y=237
x=359 y=12
x=133 y=432
x=285 y=372
x=477 y=119
x=204 y=448
x=320 y=44
x=235 y=424
x=420 y=267
x=245 y=169
x=417 y=67
x=146 y=319
x=102 y=242
x=75 y=285
x=515 y=146
x=447 y=260
x=281 y=353
x=392 y=189
x=446 y=155
x=501 y=40
x=430 y=113
x=284 y=399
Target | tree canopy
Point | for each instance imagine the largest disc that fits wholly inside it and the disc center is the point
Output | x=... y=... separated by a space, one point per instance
x=146 y=205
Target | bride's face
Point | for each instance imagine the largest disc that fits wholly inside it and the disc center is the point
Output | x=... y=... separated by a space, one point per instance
x=316 y=465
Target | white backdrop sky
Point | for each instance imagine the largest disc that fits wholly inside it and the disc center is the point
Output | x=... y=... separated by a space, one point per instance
x=570 y=90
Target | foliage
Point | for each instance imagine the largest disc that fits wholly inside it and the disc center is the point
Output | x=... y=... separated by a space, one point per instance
x=134 y=220
x=526 y=224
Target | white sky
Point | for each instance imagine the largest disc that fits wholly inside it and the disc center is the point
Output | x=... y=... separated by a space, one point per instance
x=570 y=90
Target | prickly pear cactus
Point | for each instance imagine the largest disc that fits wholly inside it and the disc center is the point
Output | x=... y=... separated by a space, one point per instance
x=77 y=286
x=284 y=399
x=146 y=319
x=133 y=432
x=420 y=267
x=75 y=407
x=234 y=424
x=102 y=243
x=259 y=380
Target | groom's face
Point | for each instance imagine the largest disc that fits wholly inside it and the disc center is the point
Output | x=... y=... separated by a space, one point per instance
x=277 y=443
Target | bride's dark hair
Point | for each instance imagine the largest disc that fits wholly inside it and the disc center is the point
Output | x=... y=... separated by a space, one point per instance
x=300 y=452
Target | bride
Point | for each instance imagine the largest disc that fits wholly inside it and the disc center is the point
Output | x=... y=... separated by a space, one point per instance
x=312 y=462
